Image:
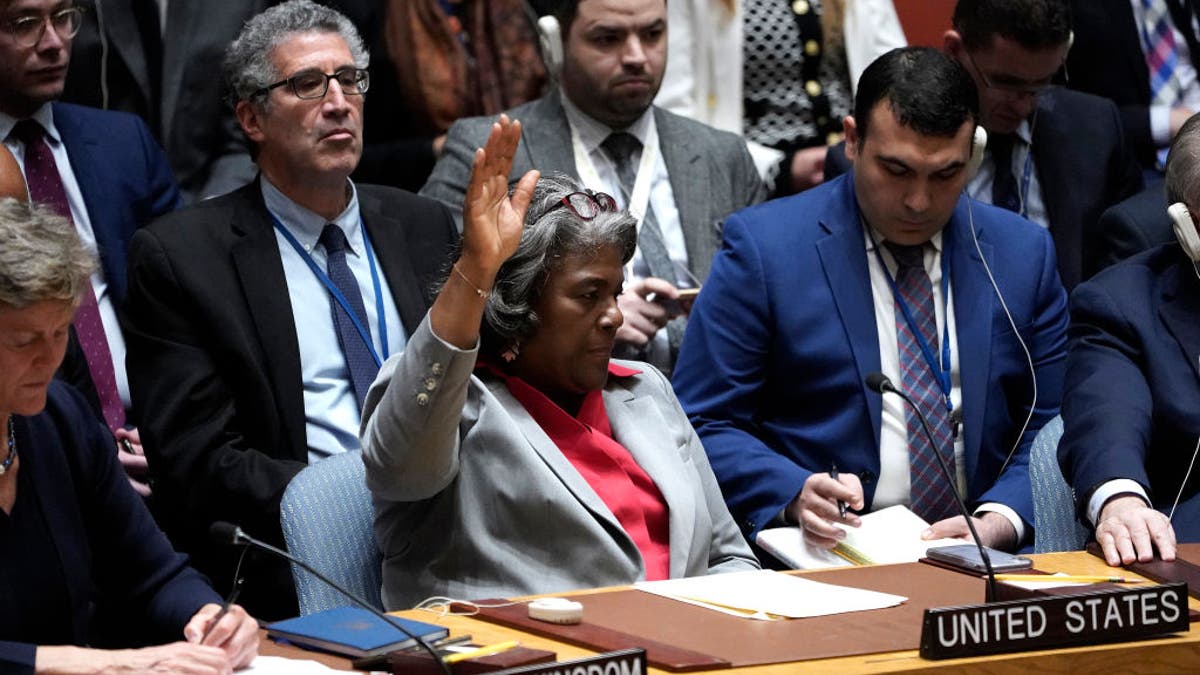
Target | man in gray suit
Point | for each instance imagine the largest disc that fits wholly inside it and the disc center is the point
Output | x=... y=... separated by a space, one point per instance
x=679 y=177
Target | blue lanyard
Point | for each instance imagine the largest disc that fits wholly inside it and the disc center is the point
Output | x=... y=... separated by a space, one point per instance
x=1026 y=180
x=942 y=373
x=337 y=294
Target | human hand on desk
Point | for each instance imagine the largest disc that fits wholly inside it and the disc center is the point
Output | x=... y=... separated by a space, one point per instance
x=235 y=633
x=177 y=657
x=816 y=509
x=1128 y=530
x=994 y=530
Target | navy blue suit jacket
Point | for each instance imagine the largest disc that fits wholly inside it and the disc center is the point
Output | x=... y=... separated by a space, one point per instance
x=1131 y=404
x=121 y=572
x=124 y=177
x=778 y=344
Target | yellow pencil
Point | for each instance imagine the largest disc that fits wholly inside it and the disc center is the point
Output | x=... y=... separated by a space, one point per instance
x=482 y=651
x=1068 y=578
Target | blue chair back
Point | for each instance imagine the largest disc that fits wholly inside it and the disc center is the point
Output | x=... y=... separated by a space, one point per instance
x=1055 y=525
x=327 y=518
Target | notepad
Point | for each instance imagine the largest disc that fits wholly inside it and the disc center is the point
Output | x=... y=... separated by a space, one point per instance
x=352 y=631
x=891 y=535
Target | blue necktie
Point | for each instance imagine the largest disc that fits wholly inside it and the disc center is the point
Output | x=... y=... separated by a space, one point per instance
x=358 y=356
x=932 y=498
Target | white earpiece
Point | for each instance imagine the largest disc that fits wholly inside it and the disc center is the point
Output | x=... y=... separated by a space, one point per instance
x=1185 y=230
x=978 y=148
x=550 y=37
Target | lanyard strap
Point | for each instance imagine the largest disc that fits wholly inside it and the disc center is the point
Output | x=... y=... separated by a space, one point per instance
x=1026 y=180
x=639 y=198
x=337 y=294
x=942 y=373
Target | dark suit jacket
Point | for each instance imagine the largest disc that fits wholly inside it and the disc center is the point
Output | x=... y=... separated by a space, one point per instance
x=126 y=183
x=126 y=586
x=779 y=342
x=186 y=109
x=212 y=346
x=1083 y=167
x=711 y=172
x=1106 y=59
x=1132 y=226
x=1131 y=404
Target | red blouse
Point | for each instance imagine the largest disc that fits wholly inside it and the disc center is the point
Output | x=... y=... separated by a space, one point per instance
x=586 y=440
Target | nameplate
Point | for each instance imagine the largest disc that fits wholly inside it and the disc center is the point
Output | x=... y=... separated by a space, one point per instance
x=1051 y=621
x=623 y=662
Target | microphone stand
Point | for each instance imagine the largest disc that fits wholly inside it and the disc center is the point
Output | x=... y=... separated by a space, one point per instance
x=230 y=534
x=882 y=384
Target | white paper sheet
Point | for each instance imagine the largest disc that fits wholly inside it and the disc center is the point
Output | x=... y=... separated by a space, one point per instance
x=272 y=665
x=764 y=594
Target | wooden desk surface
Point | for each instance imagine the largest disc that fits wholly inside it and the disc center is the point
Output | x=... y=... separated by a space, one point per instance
x=1165 y=655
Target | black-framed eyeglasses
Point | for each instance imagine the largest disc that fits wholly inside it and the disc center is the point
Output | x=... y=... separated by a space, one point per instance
x=587 y=205
x=28 y=29
x=312 y=83
x=1011 y=89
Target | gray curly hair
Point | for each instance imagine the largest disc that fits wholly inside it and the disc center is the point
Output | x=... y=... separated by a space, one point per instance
x=42 y=258
x=247 y=65
x=551 y=235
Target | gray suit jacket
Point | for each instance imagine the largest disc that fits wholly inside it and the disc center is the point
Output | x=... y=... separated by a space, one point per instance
x=473 y=499
x=712 y=173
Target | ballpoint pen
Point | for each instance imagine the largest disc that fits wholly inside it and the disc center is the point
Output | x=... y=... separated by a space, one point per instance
x=833 y=473
x=482 y=651
x=233 y=596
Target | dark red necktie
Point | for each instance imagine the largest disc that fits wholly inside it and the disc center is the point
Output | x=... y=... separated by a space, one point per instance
x=46 y=187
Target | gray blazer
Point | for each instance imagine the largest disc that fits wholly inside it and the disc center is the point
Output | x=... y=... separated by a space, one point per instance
x=712 y=173
x=473 y=499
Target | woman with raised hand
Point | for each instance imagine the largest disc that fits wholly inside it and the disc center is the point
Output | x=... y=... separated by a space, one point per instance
x=507 y=452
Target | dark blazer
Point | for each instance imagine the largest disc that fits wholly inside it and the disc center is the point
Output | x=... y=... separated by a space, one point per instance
x=213 y=347
x=1131 y=404
x=126 y=586
x=1083 y=166
x=186 y=109
x=779 y=342
x=126 y=183
x=1131 y=226
x=1106 y=59
x=711 y=172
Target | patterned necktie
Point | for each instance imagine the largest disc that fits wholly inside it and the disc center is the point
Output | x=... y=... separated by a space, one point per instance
x=361 y=364
x=1004 y=183
x=46 y=187
x=1162 y=58
x=932 y=497
x=620 y=147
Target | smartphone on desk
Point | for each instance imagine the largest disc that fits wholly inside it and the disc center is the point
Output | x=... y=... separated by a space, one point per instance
x=966 y=557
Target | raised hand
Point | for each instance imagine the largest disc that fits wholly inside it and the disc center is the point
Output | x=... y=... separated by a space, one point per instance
x=492 y=220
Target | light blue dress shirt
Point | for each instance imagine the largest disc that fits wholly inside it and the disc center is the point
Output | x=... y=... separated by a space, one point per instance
x=330 y=409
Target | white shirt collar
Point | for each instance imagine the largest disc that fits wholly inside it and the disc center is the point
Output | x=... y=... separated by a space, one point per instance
x=43 y=116
x=592 y=132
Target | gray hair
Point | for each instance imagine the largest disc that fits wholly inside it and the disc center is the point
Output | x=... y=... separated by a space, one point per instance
x=551 y=234
x=42 y=258
x=1183 y=165
x=248 y=67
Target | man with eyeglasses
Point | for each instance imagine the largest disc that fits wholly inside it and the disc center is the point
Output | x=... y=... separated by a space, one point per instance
x=1056 y=156
x=258 y=319
x=101 y=169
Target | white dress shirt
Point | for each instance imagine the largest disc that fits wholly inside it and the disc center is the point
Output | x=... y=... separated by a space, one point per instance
x=83 y=225
x=330 y=407
x=893 y=485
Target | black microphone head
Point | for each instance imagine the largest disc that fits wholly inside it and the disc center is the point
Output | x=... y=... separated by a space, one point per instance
x=225 y=533
x=878 y=382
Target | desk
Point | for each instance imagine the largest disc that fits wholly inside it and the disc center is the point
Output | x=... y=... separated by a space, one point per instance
x=1166 y=655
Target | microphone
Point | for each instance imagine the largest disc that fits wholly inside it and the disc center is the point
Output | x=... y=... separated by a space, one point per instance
x=880 y=383
x=228 y=534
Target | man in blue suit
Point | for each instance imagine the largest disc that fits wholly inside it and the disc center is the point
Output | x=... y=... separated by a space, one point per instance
x=1131 y=402
x=104 y=171
x=886 y=269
